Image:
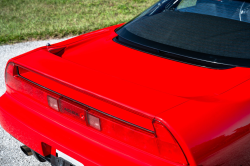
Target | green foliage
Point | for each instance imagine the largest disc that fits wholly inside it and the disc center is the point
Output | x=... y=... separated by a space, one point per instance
x=22 y=20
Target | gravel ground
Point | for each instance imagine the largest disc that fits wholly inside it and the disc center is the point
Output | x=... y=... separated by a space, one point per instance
x=10 y=153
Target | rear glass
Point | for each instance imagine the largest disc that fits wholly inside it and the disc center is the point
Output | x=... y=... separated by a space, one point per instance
x=213 y=30
x=236 y=10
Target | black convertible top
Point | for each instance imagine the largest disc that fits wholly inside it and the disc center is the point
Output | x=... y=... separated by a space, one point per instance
x=207 y=31
x=195 y=32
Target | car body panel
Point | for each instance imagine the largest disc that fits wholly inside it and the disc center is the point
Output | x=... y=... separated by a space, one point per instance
x=216 y=131
x=197 y=104
x=161 y=74
x=43 y=125
x=117 y=92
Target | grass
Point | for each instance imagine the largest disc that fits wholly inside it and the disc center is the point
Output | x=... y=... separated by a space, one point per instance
x=23 y=20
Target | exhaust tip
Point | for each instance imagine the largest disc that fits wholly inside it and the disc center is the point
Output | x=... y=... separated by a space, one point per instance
x=26 y=150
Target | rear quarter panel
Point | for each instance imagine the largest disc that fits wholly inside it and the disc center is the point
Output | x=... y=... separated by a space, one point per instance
x=216 y=129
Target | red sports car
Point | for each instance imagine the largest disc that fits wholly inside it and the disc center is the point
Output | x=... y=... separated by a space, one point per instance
x=171 y=87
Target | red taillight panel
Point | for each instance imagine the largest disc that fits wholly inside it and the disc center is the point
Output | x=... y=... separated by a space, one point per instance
x=168 y=146
x=10 y=69
x=10 y=72
x=126 y=133
x=159 y=142
x=73 y=110
x=23 y=86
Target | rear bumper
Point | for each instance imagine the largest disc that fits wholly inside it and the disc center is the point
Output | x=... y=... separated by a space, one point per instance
x=36 y=125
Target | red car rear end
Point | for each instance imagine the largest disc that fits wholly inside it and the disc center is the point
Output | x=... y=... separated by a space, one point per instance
x=103 y=102
x=79 y=111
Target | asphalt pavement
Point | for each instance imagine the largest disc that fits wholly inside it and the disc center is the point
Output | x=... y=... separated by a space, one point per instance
x=10 y=153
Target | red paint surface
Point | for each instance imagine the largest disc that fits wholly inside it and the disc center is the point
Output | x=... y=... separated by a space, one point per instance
x=206 y=110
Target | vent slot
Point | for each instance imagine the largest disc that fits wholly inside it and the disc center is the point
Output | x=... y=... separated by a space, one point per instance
x=57 y=51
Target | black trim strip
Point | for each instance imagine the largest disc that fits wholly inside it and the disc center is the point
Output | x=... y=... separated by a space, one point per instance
x=152 y=132
x=167 y=55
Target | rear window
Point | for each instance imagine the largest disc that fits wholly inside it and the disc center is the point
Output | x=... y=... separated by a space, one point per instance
x=236 y=10
x=212 y=30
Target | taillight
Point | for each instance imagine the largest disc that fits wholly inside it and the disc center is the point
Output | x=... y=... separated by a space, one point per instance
x=10 y=71
x=53 y=103
x=159 y=142
x=94 y=122
x=14 y=82
x=167 y=145
x=73 y=110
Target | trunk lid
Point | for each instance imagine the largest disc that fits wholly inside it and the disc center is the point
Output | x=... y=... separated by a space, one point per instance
x=160 y=74
x=123 y=82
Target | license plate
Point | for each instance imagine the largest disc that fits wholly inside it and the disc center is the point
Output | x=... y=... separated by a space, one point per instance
x=68 y=158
